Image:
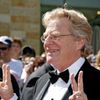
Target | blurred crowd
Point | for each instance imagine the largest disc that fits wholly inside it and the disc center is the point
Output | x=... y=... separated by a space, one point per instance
x=22 y=60
x=94 y=59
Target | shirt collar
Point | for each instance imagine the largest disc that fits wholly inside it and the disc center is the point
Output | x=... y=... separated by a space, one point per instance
x=74 y=68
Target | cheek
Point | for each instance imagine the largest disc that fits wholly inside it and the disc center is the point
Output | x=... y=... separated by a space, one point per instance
x=2 y=54
x=69 y=48
x=17 y=49
x=12 y=49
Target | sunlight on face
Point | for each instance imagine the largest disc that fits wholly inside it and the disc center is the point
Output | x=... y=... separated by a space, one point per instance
x=59 y=51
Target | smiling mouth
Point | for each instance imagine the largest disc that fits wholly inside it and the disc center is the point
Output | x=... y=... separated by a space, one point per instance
x=52 y=52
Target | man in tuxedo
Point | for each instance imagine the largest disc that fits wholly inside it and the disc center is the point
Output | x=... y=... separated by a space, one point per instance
x=65 y=40
x=67 y=36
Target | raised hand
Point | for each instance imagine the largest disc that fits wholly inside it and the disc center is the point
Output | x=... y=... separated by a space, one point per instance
x=78 y=89
x=6 y=90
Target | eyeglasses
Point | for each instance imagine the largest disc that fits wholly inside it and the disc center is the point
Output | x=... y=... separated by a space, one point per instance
x=3 y=48
x=53 y=37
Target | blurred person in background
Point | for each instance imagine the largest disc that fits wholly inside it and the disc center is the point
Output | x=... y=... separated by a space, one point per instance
x=28 y=51
x=13 y=84
x=88 y=51
x=89 y=54
x=92 y=60
x=16 y=48
x=27 y=57
x=5 y=55
x=97 y=64
x=28 y=68
x=31 y=62
x=43 y=56
x=5 y=44
x=15 y=53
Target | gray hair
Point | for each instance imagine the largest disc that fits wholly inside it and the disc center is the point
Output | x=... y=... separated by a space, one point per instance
x=79 y=27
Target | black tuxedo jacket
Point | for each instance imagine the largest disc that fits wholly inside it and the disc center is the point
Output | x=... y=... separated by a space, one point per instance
x=29 y=86
x=14 y=84
x=91 y=81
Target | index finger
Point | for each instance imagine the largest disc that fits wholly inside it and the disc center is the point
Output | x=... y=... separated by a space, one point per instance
x=73 y=84
x=6 y=73
x=80 y=81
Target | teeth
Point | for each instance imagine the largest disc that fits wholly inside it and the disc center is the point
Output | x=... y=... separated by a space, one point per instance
x=51 y=50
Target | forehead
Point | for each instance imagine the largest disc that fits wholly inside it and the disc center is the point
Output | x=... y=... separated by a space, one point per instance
x=15 y=44
x=61 y=25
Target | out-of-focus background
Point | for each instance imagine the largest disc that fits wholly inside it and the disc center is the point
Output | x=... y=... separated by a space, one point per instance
x=22 y=18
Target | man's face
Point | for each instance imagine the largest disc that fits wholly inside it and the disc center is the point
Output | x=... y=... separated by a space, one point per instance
x=4 y=50
x=60 y=45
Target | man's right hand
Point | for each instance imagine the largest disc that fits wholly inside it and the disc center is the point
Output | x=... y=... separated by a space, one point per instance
x=78 y=89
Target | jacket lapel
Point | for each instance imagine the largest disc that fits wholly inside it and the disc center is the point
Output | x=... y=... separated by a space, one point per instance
x=42 y=87
x=69 y=92
x=42 y=92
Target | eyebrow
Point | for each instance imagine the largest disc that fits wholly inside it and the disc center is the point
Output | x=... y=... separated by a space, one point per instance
x=51 y=33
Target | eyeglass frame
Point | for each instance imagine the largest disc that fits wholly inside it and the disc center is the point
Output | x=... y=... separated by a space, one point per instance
x=53 y=37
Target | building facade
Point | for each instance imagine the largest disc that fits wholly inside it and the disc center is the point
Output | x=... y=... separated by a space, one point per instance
x=21 y=18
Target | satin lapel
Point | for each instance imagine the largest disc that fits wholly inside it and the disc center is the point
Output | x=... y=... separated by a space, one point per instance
x=42 y=92
x=44 y=86
x=67 y=94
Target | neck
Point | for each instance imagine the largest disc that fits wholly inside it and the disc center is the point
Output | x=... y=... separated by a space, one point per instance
x=7 y=60
x=68 y=63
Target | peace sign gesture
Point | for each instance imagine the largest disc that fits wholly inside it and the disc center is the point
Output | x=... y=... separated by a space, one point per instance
x=6 y=90
x=78 y=89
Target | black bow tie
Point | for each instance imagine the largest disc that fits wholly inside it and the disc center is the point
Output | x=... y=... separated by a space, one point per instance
x=63 y=75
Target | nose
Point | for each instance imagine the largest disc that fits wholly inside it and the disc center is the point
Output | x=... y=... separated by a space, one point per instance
x=48 y=39
x=48 y=43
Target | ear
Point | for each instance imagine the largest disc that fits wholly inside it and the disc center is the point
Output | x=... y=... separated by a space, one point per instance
x=80 y=43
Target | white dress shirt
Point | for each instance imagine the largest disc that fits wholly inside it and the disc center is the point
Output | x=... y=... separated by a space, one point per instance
x=57 y=90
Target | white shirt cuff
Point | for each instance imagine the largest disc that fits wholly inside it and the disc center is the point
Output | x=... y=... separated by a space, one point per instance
x=14 y=97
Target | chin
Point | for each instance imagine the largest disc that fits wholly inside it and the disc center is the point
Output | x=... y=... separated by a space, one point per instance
x=52 y=61
x=49 y=61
